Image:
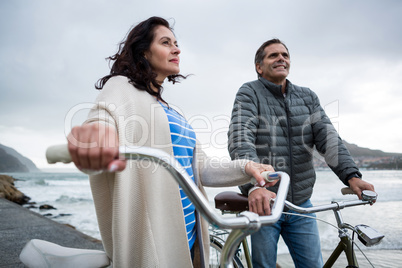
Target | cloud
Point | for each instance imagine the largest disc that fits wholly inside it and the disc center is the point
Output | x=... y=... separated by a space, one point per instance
x=348 y=52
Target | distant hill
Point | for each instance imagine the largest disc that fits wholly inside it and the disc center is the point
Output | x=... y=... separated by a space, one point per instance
x=12 y=161
x=367 y=158
x=357 y=151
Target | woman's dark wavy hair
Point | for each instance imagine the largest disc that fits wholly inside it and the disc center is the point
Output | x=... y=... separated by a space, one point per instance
x=130 y=59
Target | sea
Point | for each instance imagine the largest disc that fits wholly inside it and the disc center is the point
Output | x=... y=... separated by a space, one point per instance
x=69 y=193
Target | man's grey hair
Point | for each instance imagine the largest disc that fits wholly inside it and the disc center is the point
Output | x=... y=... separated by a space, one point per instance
x=260 y=54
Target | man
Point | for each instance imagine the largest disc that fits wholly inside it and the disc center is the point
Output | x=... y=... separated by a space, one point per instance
x=278 y=123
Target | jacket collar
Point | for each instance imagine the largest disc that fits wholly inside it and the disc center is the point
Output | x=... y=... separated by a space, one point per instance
x=274 y=88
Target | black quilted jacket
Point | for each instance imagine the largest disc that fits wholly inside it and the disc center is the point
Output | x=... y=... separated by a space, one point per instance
x=283 y=131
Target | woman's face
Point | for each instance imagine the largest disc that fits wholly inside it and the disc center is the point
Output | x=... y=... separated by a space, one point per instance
x=163 y=54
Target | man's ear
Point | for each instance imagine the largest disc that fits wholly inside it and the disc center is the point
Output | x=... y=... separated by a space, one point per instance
x=258 y=68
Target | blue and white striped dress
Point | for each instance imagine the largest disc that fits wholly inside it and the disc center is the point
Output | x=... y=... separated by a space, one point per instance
x=183 y=140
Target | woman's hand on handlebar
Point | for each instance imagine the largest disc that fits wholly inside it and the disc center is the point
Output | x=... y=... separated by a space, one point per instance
x=95 y=147
x=254 y=169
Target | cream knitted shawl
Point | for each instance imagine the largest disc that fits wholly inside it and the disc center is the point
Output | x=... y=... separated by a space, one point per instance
x=139 y=211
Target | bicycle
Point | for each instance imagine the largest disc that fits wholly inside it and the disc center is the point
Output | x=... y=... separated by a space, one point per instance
x=233 y=202
x=36 y=253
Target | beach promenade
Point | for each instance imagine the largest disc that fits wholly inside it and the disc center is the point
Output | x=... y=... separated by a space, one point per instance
x=18 y=225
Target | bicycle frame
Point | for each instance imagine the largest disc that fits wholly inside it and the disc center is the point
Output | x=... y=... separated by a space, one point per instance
x=241 y=226
x=345 y=244
x=232 y=202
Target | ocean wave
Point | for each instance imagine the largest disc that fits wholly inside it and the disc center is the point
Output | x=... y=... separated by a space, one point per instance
x=68 y=183
x=41 y=182
x=69 y=199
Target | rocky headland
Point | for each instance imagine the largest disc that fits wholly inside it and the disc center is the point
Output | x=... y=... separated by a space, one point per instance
x=10 y=192
x=12 y=161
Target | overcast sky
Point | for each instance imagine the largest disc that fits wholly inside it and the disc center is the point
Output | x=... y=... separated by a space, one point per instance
x=348 y=52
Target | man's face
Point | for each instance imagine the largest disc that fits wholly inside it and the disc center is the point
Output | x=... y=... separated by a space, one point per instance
x=275 y=65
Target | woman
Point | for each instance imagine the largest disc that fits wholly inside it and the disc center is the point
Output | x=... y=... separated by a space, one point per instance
x=144 y=218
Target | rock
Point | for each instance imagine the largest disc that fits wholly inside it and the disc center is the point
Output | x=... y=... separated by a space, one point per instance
x=62 y=215
x=46 y=207
x=31 y=206
x=65 y=214
x=9 y=192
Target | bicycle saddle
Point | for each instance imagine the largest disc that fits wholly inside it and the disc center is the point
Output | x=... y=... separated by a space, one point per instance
x=231 y=201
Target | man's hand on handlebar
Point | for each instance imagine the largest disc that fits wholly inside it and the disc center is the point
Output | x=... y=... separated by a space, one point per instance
x=95 y=147
x=358 y=185
x=259 y=201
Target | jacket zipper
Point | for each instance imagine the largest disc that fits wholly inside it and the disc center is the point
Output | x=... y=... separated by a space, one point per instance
x=290 y=149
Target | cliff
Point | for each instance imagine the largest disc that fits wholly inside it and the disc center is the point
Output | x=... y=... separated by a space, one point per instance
x=12 y=161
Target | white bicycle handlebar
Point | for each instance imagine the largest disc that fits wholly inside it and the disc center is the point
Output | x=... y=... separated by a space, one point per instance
x=242 y=226
x=60 y=153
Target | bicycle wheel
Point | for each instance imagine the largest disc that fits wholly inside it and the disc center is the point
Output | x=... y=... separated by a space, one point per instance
x=215 y=250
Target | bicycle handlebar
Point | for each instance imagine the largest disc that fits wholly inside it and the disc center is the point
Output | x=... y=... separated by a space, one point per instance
x=369 y=197
x=60 y=153
x=333 y=206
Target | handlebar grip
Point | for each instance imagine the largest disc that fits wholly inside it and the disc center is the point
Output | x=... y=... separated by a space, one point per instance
x=346 y=191
x=269 y=176
x=367 y=195
x=58 y=153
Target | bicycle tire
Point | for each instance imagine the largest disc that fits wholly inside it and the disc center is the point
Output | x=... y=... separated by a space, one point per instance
x=215 y=254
